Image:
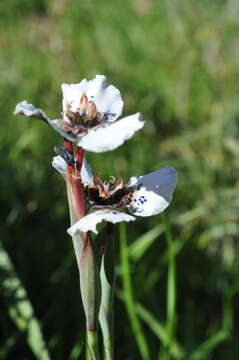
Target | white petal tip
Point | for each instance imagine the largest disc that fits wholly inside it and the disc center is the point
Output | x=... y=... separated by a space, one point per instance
x=86 y=173
x=59 y=164
x=22 y=106
x=153 y=192
x=90 y=221
x=29 y=110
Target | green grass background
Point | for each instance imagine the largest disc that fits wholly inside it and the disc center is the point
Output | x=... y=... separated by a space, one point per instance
x=178 y=273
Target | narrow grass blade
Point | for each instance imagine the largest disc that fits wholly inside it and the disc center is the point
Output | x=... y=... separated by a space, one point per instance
x=7 y=346
x=209 y=345
x=160 y=331
x=128 y=296
x=171 y=289
x=76 y=351
x=138 y=248
x=20 y=308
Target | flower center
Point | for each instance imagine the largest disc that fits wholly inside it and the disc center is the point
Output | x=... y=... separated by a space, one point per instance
x=109 y=193
x=86 y=114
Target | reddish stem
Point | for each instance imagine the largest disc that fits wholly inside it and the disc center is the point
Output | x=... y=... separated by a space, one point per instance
x=75 y=179
x=79 y=158
x=77 y=194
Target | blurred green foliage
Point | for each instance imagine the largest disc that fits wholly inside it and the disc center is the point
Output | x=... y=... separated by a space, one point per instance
x=178 y=63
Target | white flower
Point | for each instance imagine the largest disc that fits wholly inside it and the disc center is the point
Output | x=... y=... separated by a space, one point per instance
x=143 y=196
x=90 y=112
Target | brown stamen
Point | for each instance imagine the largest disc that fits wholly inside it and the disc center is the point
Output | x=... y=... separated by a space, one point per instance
x=83 y=103
x=117 y=186
x=99 y=185
x=109 y=193
x=91 y=110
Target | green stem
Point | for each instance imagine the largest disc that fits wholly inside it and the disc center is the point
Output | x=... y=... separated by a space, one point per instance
x=92 y=352
x=171 y=291
x=107 y=276
x=128 y=296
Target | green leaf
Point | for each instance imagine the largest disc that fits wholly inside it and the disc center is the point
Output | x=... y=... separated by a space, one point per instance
x=139 y=247
x=20 y=307
x=160 y=331
x=128 y=296
x=208 y=346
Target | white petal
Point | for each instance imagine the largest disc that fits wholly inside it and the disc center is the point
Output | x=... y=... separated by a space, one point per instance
x=59 y=164
x=29 y=110
x=86 y=173
x=24 y=108
x=106 y=97
x=89 y=222
x=72 y=94
x=154 y=192
x=110 y=137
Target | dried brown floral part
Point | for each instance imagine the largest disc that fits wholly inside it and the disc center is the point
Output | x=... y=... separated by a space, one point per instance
x=109 y=193
x=85 y=115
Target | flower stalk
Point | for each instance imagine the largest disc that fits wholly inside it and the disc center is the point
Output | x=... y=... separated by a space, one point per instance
x=88 y=270
x=107 y=277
